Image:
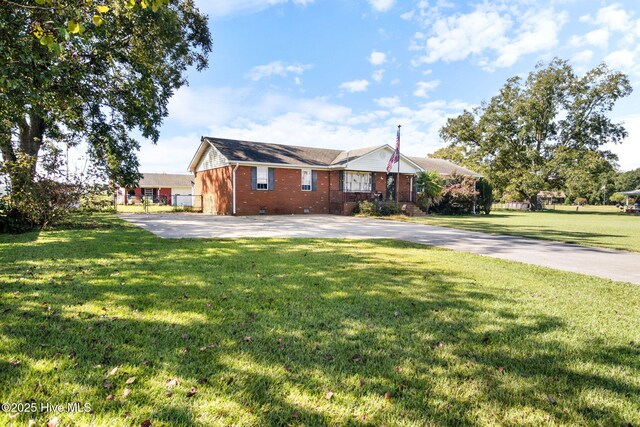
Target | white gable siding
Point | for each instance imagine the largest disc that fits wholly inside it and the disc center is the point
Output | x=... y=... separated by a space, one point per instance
x=211 y=159
x=377 y=160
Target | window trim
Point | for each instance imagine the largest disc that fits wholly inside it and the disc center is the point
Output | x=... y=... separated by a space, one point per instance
x=145 y=191
x=302 y=183
x=266 y=178
x=346 y=182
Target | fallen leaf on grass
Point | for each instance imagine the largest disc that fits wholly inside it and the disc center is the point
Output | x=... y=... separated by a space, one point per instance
x=202 y=380
x=126 y=392
x=388 y=395
x=172 y=382
x=110 y=397
x=329 y=395
x=130 y=380
x=356 y=358
x=113 y=371
x=295 y=415
x=193 y=391
x=287 y=368
x=551 y=400
x=246 y=339
x=362 y=382
x=501 y=369
x=53 y=422
x=31 y=423
x=145 y=423
x=106 y=384
x=169 y=393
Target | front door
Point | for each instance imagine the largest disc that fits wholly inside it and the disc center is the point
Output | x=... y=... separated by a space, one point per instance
x=391 y=186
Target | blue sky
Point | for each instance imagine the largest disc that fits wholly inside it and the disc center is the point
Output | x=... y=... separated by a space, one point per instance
x=345 y=73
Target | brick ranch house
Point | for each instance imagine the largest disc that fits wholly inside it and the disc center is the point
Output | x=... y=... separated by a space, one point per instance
x=248 y=178
x=162 y=188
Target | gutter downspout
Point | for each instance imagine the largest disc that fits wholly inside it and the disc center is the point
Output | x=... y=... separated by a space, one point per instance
x=233 y=185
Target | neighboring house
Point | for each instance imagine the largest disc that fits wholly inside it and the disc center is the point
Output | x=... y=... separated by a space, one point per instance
x=551 y=197
x=248 y=178
x=162 y=188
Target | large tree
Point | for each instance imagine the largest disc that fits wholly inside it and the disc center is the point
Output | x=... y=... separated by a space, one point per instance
x=539 y=131
x=92 y=71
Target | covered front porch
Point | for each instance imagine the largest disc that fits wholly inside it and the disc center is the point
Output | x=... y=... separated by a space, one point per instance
x=357 y=186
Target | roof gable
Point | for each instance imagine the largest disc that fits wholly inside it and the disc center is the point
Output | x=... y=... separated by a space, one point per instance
x=376 y=160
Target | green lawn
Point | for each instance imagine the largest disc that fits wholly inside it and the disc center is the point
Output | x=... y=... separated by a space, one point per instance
x=306 y=332
x=596 y=226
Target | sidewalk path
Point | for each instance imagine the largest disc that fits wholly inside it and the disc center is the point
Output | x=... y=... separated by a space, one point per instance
x=605 y=263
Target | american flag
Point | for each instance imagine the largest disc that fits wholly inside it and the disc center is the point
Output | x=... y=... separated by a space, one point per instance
x=395 y=157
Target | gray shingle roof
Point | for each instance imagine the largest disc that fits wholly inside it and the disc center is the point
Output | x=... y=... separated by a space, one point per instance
x=260 y=152
x=164 y=180
x=443 y=167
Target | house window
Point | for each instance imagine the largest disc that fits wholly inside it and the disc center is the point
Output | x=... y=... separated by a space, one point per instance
x=262 y=178
x=148 y=193
x=306 y=180
x=357 y=182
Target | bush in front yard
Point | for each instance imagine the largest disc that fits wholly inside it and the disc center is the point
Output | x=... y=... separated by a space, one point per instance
x=370 y=208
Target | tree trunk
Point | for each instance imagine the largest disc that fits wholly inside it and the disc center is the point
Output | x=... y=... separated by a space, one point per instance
x=31 y=133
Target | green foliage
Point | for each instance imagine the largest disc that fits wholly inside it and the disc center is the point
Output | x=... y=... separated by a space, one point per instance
x=115 y=76
x=388 y=208
x=545 y=131
x=580 y=201
x=485 y=195
x=377 y=208
x=618 y=198
x=429 y=189
x=458 y=196
x=628 y=181
x=40 y=202
x=368 y=208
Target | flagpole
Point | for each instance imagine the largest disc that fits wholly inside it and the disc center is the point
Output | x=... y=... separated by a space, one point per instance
x=398 y=174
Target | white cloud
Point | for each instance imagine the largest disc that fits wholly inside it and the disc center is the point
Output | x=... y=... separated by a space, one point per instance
x=222 y=8
x=489 y=30
x=387 y=102
x=276 y=68
x=190 y=108
x=599 y=38
x=377 y=58
x=629 y=151
x=423 y=88
x=378 y=75
x=582 y=57
x=625 y=60
x=381 y=5
x=355 y=86
x=614 y=18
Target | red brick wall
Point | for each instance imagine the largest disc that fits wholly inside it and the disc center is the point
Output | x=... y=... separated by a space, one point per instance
x=166 y=192
x=287 y=196
x=215 y=187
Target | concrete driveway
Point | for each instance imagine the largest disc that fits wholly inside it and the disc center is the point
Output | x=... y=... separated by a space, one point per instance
x=605 y=263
